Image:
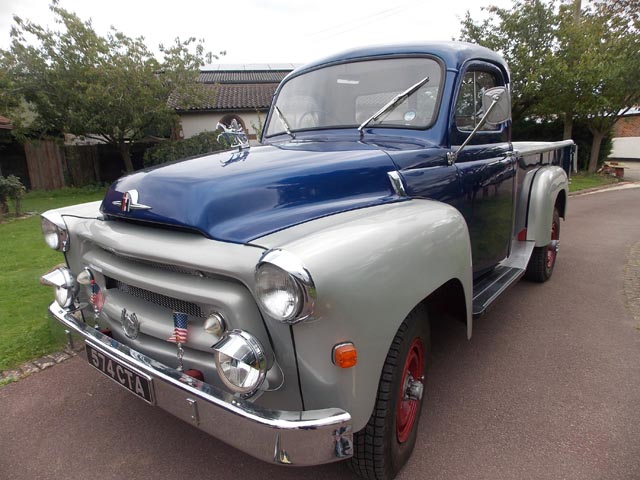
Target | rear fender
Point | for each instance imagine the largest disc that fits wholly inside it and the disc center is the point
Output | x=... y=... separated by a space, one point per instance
x=549 y=183
x=371 y=267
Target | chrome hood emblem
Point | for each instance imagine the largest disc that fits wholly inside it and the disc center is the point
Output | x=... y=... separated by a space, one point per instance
x=130 y=202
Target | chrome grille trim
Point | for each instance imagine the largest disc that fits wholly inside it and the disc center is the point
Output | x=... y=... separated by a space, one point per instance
x=173 y=304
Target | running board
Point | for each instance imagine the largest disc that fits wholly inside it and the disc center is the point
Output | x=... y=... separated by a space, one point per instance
x=489 y=287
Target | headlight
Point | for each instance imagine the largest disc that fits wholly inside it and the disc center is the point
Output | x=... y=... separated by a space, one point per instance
x=240 y=361
x=55 y=231
x=284 y=287
x=65 y=286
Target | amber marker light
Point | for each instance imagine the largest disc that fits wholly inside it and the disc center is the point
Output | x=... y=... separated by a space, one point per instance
x=345 y=355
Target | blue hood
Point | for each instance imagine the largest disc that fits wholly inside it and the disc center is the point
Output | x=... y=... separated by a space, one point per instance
x=240 y=196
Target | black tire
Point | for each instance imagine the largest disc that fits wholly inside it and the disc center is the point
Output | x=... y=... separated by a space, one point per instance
x=379 y=452
x=543 y=259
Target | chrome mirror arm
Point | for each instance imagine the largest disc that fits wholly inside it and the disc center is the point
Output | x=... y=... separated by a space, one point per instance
x=452 y=156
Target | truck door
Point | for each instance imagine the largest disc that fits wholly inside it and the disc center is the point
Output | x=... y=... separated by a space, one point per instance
x=486 y=169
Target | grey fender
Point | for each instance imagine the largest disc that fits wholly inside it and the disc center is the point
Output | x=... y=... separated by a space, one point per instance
x=371 y=267
x=548 y=184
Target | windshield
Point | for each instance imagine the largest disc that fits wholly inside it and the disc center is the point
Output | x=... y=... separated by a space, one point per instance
x=346 y=95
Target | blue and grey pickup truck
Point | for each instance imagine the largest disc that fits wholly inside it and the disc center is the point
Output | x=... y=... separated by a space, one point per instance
x=279 y=296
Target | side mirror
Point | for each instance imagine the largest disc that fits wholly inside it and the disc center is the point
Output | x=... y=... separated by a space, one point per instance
x=501 y=111
x=496 y=103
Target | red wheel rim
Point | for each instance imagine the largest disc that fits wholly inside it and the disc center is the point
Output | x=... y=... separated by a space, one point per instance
x=551 y=250
x=407 y=409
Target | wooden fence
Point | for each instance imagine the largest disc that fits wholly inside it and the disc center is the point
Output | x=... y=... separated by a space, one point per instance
x=45 y=161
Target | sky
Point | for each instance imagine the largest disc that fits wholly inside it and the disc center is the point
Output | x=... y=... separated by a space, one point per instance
x=262 y=31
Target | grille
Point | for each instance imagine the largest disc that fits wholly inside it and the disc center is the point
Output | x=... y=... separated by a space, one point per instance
x=168 y=267
x=173 y=304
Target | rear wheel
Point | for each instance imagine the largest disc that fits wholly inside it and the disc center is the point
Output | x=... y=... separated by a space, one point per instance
x=385 y=444
x=543 y=259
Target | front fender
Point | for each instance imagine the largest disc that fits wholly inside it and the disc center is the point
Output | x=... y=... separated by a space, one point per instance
x=371 y=267
x=548 y=184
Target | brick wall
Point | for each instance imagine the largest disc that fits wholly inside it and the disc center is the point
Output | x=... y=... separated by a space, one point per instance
x=628 y=126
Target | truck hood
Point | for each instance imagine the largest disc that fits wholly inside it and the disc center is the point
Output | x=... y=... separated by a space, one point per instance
x=238 y=196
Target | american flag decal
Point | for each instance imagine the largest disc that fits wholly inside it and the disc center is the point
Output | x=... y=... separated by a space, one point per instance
x=96 y=298
x=180 y=321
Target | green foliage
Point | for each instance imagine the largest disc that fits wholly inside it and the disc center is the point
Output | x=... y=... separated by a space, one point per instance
x=583 y=181
x=11 y=188
x=204 y=142
x=524 y=35
x=572 y=60
x=108 y=88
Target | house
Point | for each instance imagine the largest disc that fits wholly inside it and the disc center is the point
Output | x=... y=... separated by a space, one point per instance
x=626 y=136
x=232 y=92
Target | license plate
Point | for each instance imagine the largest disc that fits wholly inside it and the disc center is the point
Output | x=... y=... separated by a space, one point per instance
x=139 y=384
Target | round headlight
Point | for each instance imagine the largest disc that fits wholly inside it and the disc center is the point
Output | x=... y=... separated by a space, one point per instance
x=240 y=361
x=284 y=287
x=54 y=231
x=277 y=292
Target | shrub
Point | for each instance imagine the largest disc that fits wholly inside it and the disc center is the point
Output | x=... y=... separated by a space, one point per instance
x=204 y=142
x=10 y=188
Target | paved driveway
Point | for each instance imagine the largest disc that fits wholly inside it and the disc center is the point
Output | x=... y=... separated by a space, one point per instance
x=548 y=388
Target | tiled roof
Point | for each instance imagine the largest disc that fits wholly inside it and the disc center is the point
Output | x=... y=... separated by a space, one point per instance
x=231 y=77
x=231 y=97
x=235 y=87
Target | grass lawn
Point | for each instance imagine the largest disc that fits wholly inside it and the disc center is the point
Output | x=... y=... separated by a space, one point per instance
x=25 y=329
x=582 y=181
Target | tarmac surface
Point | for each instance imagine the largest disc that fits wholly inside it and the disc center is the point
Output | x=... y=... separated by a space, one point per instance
x=547 y=388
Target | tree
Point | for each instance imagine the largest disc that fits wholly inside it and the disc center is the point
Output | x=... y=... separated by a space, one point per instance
x=579 y=63
x=606 y=77
x=525 y=36
x=108 y=88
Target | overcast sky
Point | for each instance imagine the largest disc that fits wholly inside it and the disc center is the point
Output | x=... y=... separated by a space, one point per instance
x=263 y=31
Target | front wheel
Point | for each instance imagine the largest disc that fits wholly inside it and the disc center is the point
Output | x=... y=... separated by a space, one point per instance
x=385 y=444
x=543 y=259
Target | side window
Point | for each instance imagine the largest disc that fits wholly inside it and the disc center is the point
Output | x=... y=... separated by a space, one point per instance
x=469 y=103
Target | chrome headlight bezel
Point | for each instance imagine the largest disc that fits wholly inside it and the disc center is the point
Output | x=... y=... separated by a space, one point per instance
x=292 y=272
x=54 y=231
x=242 y=348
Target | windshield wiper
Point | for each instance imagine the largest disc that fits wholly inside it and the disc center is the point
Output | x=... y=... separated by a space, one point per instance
x=392 y=103
x=284 y=123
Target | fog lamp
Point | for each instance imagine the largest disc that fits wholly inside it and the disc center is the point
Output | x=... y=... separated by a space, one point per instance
x=65 y=286
x=240 y=361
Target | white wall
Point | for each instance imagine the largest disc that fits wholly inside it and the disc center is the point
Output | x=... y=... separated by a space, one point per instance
x=194 y=123
x=625 y=147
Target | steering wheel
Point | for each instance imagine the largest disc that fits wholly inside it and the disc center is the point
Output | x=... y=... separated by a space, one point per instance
x=313 y=117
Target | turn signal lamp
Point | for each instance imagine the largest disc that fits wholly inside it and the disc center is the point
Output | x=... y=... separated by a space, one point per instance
x=345 y=355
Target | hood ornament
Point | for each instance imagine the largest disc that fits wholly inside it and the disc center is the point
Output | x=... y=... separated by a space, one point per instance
x=130 y=202
x=233 y=135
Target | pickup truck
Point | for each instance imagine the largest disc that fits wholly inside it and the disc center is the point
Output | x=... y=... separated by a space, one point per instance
x=278 y=296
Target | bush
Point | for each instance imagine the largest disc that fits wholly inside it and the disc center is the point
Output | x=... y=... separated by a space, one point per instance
x=10 y=188
x=204 y=142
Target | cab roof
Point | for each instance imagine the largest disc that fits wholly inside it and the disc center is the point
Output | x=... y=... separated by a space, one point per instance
x=453 y=54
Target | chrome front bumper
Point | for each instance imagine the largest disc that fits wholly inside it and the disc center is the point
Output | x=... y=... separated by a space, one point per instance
x=292 y=438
